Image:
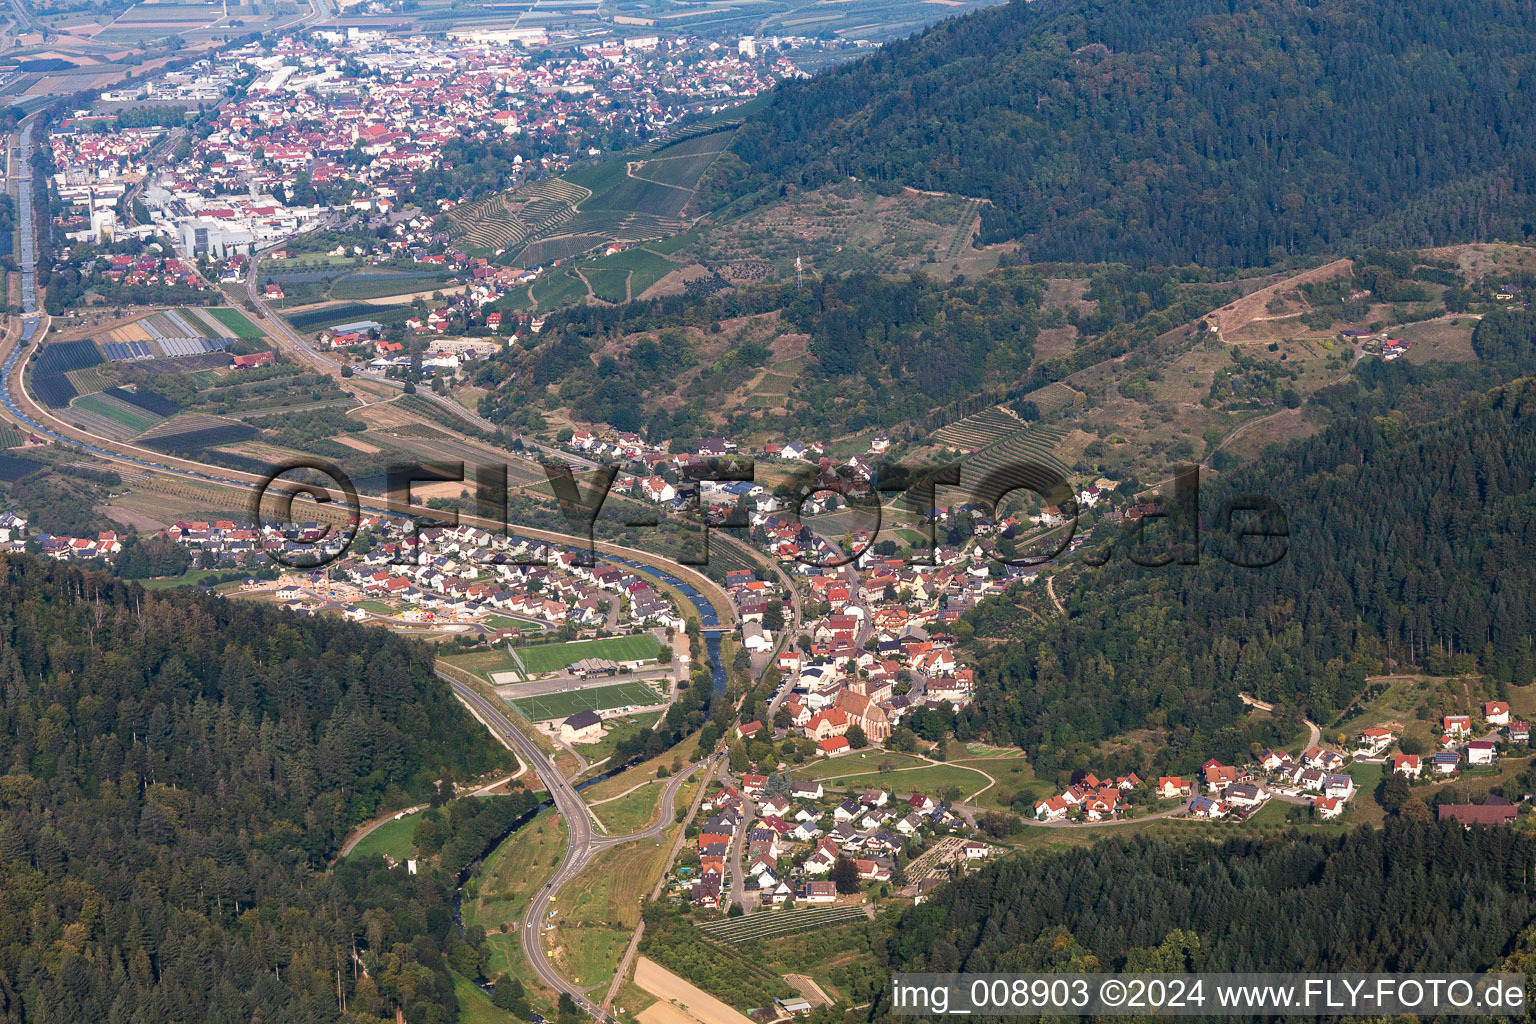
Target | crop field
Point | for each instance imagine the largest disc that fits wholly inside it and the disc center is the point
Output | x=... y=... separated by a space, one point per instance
x=132 y=419
x=329 y=316
x=237 y=322
x=1023 y=459
x=196 y=433
x=10 y=437
x=637 y=195
x=1052 y=398
x=976 y=431
x=556 y=288
x=608 y=283
x=146 y=400
x=504 y=220
x=683 y=164
x=375 y=286
x=89 y=380
x=642 y=268
x=55 y=392
x=63 y=356
x=543 y=658
x=599 y=698
x=779 y=922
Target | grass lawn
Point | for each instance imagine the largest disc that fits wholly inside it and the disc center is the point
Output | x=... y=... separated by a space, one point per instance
x=931 y=780
x=599 y=698
x=1013 y=773
x=542 y=658
x=502 y=622
x=862 y=763
x=238 y=322
x=682 y=755
x=502 y=889
x=191 y=578
x=633 y=812
x=597 y=913
x=377 y=607
x=475 y=1007
x=484 y=664
x=392 y=837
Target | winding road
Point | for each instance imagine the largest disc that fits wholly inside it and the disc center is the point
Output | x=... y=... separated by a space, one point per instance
x=582 y=844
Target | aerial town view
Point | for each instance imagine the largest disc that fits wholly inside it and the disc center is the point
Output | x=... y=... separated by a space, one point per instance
x=725 y=511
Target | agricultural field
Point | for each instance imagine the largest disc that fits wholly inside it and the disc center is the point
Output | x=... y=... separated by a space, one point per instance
x=599 y=698
x=843 y=228
x=545 y=658
x=505 y=220
x=557 y=287
x=682 y=164
x=190 y=435
x=626 y=275
x=314 y=320
x=779 y=922
x=978 y=430
x=49 y=369
x=103 y=407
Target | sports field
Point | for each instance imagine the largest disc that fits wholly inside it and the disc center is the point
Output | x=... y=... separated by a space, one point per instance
x=599 y=698
x=542 y=658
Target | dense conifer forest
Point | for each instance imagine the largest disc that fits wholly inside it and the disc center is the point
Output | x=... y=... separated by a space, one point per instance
x=178 y=771
x=1413 y=896
x=1155 y=131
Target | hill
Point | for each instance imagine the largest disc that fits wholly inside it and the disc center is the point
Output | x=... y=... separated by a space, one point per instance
x=180 y=768
x=1219 y=133
x=1371 y=498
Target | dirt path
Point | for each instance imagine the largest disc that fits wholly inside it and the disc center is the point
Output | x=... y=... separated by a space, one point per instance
x=1050 y=589
x=681 y=1001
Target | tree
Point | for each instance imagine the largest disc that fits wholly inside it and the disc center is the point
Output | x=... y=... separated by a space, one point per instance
x=1395 y=792
x=845 y=875
x=855 y=736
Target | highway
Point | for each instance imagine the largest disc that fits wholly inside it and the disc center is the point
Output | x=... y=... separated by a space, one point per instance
x=582 y=845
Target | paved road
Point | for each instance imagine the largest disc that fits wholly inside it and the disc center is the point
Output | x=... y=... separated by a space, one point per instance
x=739 y=843
x=581 y=843
x=279 y=329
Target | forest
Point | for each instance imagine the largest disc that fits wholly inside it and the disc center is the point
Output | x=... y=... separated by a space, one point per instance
x=886 y=351
x=1215 y=132
x=1412 y=896
x=180 y=769
x=1410 y=544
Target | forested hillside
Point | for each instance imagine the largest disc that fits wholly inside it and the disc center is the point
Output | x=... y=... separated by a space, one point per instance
x=1411 y=543
x=178 y=770
x=882 y=352
x=1173 y=131
x=1413 y=896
